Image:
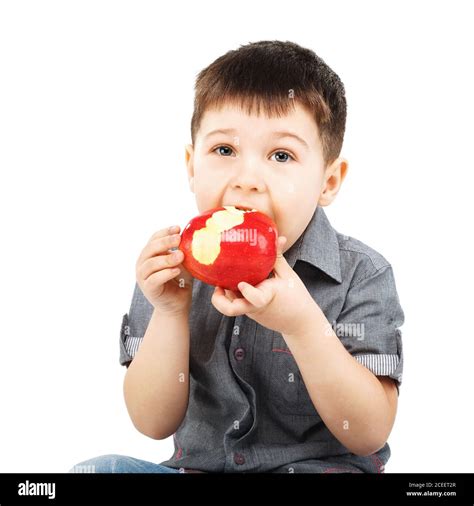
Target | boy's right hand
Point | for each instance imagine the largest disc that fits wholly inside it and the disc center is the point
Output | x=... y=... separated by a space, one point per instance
x=168 y=291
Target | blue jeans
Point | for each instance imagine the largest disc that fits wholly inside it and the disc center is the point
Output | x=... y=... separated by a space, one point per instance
x=119 y=464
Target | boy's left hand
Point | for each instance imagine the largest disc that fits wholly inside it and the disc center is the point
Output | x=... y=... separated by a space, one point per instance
x=281 y=303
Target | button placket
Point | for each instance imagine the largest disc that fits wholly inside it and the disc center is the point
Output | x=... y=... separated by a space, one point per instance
x=239 y=458
x=237 y=328
x=239 y=353
x=237 y=350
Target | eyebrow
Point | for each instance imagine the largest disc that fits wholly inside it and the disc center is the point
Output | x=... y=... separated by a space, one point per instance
x=277 y=135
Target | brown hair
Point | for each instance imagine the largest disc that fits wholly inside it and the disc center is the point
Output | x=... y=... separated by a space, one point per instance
x=272 y=75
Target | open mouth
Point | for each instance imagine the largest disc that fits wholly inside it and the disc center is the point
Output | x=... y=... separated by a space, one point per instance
x=246 y=208
x=242 y=207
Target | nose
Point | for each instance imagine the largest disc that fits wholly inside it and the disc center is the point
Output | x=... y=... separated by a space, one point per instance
x=248 y=180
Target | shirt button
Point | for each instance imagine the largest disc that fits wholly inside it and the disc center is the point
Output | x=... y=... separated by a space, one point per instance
x=239 y=459
x=239 y=353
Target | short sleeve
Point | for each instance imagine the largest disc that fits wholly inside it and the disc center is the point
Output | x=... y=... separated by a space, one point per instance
x=134 y=325
x=368 y=325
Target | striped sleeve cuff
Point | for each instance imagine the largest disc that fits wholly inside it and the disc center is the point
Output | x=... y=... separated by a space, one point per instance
x=382 y=365
x=131 y=344
x=128 y=344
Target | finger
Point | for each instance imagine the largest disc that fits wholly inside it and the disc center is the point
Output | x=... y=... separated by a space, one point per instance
x=174 y=229
x=258 y=297
x=160 y=262
x=161 y=277
x=231 y=295
x=282 y=268
x=162 y=245
x=235 y=308
x=158 y=246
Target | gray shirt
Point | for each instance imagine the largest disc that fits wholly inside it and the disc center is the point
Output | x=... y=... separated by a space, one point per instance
x=249 y=409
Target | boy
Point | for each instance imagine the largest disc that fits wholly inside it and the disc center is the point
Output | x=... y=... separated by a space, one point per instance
x=301 y=372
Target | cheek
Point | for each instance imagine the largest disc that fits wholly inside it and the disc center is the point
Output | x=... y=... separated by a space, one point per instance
x=204 y=201
x=294 y=210
x=207 y=193
x=209 y=185
x=289 y=198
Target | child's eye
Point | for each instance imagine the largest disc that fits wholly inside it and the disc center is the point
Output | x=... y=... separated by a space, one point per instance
x=281 y=158
x=223 y=150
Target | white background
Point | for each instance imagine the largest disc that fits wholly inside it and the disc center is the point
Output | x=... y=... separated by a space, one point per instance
x=95 y=108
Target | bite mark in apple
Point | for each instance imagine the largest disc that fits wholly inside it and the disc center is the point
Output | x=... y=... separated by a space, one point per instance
x=206 y=241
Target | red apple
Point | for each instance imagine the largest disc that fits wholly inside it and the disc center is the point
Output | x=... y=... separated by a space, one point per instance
x=229 y=244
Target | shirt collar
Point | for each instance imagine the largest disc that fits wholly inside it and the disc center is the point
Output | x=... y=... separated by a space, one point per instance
x=318 y=245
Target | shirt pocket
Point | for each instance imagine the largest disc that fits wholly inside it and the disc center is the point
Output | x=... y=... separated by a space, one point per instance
x=287 y=392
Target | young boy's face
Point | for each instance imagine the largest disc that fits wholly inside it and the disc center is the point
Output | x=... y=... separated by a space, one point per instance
x=255 y=163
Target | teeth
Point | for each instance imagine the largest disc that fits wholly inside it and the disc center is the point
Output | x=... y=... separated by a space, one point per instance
x=244 y=209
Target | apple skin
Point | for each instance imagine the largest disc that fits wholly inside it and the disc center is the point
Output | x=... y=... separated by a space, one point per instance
x=243 y=252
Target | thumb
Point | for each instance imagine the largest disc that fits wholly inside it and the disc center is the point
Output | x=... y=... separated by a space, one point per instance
x=281 y=268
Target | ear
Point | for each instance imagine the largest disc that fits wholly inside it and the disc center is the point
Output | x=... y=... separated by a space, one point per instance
x=189 y=157
x=333 y=177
